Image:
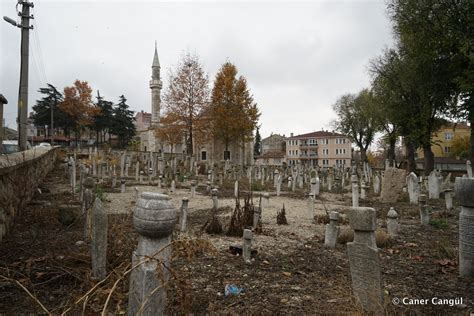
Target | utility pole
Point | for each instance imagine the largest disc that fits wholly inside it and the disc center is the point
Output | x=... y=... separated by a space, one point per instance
x=23 y=91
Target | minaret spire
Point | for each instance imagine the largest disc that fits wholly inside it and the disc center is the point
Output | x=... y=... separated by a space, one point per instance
x=155 y=86
x=156 y=61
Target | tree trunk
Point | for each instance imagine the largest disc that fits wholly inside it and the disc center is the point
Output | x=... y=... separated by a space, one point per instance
x=429 y=158
x=189 y=144
x=391 y=150
x=363 y=154
x=410 y=157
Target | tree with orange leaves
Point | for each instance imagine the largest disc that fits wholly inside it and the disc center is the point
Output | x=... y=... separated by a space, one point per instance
x=77 y=104
x=187 y=96
x=171 y=130
x=233 y=110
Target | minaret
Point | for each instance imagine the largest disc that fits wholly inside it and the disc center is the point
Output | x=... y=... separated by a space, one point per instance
x=155 y=86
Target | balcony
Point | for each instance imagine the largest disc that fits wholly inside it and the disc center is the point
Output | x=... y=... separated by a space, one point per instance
x=306 y=145
x=308 y=155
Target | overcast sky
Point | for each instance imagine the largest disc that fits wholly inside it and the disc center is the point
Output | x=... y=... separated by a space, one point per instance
x=298 y=58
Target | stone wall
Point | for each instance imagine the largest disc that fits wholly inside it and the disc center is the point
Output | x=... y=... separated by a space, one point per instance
x=20 y=176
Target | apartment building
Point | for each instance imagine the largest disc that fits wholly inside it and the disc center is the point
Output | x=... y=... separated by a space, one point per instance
x=322 y=148
x=443 y=139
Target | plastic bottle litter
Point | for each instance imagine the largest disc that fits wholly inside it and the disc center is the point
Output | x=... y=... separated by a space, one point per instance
x=232 y=289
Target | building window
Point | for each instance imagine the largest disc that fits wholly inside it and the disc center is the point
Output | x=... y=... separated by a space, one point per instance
x=325 y=151
x=226 y=155
x=448 y=136
x=447 y=150
x=203 y=155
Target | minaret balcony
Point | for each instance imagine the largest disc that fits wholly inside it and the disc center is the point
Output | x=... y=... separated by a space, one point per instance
x=156 y=84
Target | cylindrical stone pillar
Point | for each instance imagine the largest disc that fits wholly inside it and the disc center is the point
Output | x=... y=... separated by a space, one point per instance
x=424 y=212
x=247 y=246
x=154 y=218
x=193 y=188
x=464 y=192
x=215 y=200
x=448 y=197
x=122 y=185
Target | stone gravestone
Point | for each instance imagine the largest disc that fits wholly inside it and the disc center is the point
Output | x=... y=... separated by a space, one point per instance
x=247 y=246
x=392 y=185
x=87 y=204
x=154 y=218
x=122 y=185
x=424 y=211
x=183 y=219
x=355 y=191
x=332 y=230
x=376 y=184
x=193 y=188
x=469 y=169
x=413 y=188
x=364 y=260
x=392 y=222
x=215 y=200
x=434 y=185
x=278 y=185
x=464 y=191
x=257 y=212
x=99 y=240
x=448 y=198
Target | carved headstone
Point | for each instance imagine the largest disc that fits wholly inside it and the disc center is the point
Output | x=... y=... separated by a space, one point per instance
x=154 y=218
x=332 y=230
x=364 y=260
x=99 y=240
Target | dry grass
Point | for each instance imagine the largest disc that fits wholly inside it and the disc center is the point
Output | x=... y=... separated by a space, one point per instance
x=382 y=239
x=345 y=235
x=281 y=217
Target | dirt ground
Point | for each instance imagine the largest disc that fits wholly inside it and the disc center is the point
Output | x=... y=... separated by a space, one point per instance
x=43 y=261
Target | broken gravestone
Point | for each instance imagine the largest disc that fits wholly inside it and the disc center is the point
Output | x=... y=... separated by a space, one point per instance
x=392 y=185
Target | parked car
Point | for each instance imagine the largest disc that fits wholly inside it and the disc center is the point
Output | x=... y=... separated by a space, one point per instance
x=43 y=145
x=10 y=146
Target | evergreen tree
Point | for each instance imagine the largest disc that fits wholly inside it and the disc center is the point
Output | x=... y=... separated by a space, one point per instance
x=257 y=147
x=123 y=120
x=42 y=110
x=103 y=121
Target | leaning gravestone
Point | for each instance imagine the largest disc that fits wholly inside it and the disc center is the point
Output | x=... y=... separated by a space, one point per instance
x=464 y=192
x=154 y=218
x=364 y=260
x=392 y=185
x=99 y=240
